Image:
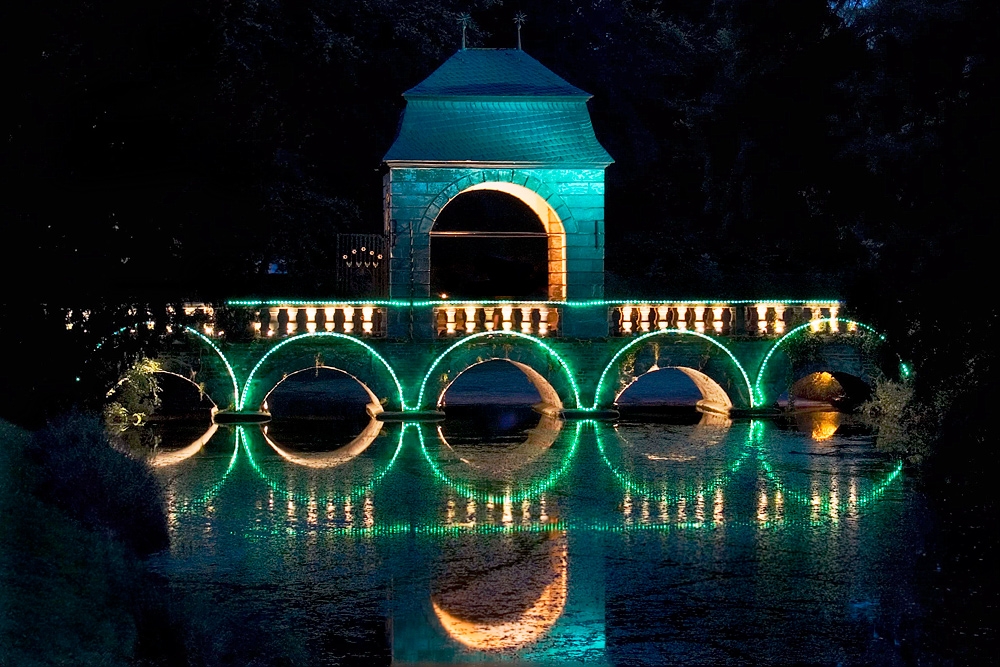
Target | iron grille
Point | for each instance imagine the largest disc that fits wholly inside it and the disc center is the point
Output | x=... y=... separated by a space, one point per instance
x=362 y=265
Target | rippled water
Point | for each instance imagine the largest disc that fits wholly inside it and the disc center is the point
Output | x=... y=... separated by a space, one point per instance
x=512 y=536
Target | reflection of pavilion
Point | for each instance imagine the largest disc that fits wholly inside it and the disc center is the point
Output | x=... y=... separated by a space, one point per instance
x=505 y=606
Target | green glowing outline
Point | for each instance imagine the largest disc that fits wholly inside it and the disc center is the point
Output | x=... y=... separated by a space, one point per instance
x=321 y=334
x=636 y=341
x=523 y=494
x=641 y=490
x=214 y=489
x=757 y=395
x=232 y=375
x=517 y=334
x=824 y=505
x=355 y=492
x=408 y=303
x=203 y=337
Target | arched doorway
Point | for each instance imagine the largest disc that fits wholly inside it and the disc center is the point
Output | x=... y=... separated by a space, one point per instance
x=498 y=240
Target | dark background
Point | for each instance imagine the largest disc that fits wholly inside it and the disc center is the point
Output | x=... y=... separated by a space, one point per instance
x=165 y=150
x=170 y=150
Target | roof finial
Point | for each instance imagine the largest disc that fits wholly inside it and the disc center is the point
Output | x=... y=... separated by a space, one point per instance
x=519 y=20
x=464 y=20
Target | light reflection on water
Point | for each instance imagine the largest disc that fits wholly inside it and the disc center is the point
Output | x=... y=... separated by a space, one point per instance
x=624 y=543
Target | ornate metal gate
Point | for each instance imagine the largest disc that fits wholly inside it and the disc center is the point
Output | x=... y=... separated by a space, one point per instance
x=362 y=265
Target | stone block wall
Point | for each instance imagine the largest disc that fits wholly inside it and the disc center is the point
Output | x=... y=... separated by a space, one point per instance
x=415 y=195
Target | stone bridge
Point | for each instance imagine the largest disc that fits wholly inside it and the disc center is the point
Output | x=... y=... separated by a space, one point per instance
x=740 y=357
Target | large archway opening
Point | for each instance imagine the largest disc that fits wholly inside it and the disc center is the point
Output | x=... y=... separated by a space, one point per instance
x=675 y=394
x=498 y=240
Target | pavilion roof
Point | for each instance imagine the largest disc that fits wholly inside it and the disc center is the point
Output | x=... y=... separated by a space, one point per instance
x=497 y=106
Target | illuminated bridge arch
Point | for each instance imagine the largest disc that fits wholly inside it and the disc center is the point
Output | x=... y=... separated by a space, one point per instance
x=211 y=373
x=326 y=349
x=544 y=367
x=712 y=367
x=860 y=351
x=552 y=212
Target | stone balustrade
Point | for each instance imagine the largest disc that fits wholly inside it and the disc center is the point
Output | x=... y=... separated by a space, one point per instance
x=537 y=318
x=741 y=318
x=462 y=318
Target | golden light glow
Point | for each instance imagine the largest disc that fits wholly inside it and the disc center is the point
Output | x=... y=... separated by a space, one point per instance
x=332 y=459
x=524 y=628
x=553 y=227
x=824 y=425
x=161 y=459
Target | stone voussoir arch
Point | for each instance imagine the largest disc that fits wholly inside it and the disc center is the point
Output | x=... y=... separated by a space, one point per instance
x=543 y=366
x=354 y=357
x=764 y=391
x=220 y=381
x=686 y=353
x=513 y=176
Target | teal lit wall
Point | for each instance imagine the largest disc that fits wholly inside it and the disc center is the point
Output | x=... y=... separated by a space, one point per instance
x=413 y=197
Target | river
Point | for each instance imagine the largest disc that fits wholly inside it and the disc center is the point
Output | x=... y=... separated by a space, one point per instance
x=503 y=535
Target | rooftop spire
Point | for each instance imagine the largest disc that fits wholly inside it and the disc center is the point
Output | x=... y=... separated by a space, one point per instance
x=519 y=20
x=464 y=20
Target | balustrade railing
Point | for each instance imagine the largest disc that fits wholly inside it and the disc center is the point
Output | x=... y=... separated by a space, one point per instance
x=721 y=319
x=463 y=318
x=537 y=318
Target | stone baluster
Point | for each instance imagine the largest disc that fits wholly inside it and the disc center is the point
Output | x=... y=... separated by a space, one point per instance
x=627 y=319
x=450 y=322
x=262 y=326
x=526 y=319
x=762 y=318
x=814 y=319
x=682 y=318
x=663 y=319
x=367 y=323
x=329 y=322
x=282 y=321
x=508 y=322
x=699 y=319
x=543 y=321
x=310 y=319
x=717 y=319
x=348 y=319
x=644 y=317
x=470 y=319
x=779 y=318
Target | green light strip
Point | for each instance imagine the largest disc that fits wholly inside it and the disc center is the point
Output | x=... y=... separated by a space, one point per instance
x=642 y=490
x=201 y=336
x=516 y=334
x=555 y=526
x=339 y=499
x=758 y=397
x=214 y=489
x=232 y=375
x=404 y=303
x=824 y=505
x=525 y=494
x=600 y=382
x=321 y=334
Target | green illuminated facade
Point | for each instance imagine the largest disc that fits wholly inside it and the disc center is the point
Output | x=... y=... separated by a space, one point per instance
x=497 y=119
